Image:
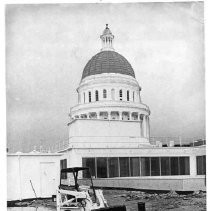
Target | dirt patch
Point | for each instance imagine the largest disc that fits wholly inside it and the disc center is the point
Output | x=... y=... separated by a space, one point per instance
x=157 y=202
x=153 y=202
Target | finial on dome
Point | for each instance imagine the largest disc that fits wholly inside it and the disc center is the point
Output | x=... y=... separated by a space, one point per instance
x=107 y=39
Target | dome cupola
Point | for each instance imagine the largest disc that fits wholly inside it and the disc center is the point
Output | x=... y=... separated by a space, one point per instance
x=107 y=39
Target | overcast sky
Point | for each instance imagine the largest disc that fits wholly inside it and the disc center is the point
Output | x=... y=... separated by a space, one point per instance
x=48 y=46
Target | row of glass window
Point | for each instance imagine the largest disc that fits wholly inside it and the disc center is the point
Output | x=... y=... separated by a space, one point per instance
x=104 y=96
x=102 y=167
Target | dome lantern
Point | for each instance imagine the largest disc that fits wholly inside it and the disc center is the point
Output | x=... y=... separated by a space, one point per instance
x=107 y=39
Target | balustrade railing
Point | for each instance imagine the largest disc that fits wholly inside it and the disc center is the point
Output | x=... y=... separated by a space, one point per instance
x=154 y=141
x=177 y=141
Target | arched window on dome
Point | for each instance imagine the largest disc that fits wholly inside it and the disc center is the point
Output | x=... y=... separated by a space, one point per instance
x=128 y=95
x=120 y=94
x=113 y=94
x=96 y=95
x=104 y=93
x=89 y=93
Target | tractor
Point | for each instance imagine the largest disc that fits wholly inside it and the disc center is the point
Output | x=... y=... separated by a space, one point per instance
x=76 y=192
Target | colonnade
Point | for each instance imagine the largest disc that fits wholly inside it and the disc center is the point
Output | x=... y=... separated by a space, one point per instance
x=143 y=119
x=103 y=94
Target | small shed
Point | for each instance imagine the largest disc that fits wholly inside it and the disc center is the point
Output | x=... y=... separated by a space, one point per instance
x=31 y=175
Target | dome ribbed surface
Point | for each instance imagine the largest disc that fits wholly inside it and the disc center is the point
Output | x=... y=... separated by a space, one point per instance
x=108 y=62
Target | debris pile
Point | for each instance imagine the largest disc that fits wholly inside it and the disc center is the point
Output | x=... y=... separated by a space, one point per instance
x=138 y=195
x=153 y=201
x=159 y=201
x=33 y=203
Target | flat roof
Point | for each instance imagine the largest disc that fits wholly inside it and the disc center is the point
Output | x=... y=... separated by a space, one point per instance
x=34 y=154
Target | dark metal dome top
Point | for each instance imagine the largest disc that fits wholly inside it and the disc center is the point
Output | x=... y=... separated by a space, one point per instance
x=108 y=62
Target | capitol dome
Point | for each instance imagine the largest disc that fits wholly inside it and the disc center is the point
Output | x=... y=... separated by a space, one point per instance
x=108 y=62
x=109 y=98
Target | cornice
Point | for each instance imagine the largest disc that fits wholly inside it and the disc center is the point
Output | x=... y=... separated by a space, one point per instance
x=106 y=78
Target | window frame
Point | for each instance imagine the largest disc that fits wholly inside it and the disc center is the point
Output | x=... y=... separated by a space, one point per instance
x=120 y=94
x=106 y=167
x=89 y=96
x=202 y=160
x=109 y=167
x=92 y=170
x=132 y=167
x=104 y=93
x=96 y=95
x=128 y=95
x=123 y=172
